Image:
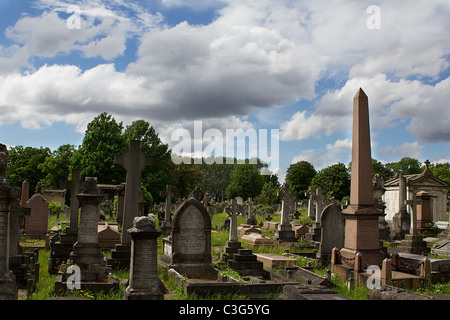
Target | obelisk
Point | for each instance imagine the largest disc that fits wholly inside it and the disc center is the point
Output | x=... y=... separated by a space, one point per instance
x=361 y=216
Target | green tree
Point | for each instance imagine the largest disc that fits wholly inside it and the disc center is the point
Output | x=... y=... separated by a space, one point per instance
x=158 y=175
x=56 y=167
x=187 y=177
x=246 y=181
x=216 y=175
x=299 y=176
x=23 y=164
x=442 y=172
x=102 y=141
x=334 y=181
x=406 y=166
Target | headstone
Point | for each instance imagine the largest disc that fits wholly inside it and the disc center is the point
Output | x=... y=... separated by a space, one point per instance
x=134 y=161
x=424 y=214
x=232 y=245
x=74 y=186
x=250 y=216
x=401 y=220
x=188 y=249
x=25 y=194
x=166 y=225
x=378 y=192
x=315 y=231
x=413 y=242
x=120 y=202
x=8 y=290
x=332 y=235
x=36 y=224
x=284 y=231
x=361 y=216
x=87 y=253
x=144 y=283
x=246 y=263
x=108 y=235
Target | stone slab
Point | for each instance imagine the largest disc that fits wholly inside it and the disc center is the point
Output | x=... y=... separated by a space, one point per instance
x=270 y=260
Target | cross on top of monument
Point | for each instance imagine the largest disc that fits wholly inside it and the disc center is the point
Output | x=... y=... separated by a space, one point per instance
x=233 y=207
x=197 y=194
x=133 y=159
x=427 y=163
x=285 y=192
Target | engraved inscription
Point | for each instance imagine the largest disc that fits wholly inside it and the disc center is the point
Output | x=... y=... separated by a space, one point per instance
x=192 y=238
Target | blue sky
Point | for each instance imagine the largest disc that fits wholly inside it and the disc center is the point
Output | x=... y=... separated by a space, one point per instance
x=292 y=66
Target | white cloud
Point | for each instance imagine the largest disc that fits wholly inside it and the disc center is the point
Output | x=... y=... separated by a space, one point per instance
x=408 y=149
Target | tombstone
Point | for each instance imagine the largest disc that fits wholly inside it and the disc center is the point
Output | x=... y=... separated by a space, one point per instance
x=8 y=290
x=120 y=202
x=166 y=225
x=232 y=245
x=284 y=231
x=144 y=283
x=62 y=245
x=36 y=224
x=413 y=242
x=25 y=194
x=250 y=216
x=134 y=161
x=424 y=214
x=361 y=216
x=315 y=231
x=378 y=191
x=239 y=201
x=332 y=236
x=108 y=235
x=401 y=221
x=87 y=253
x=188 y=248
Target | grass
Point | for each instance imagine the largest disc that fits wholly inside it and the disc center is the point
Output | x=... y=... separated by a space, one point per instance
x=45 y=287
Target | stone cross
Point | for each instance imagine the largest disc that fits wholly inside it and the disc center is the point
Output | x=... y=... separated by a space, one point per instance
x=287 y=196
x=413 y=203
x=250 y=204
x=427 y=164
x=319 y=203
x=74 y=186
x=233 y=209
x=134 y=161
x=197 y=194
x=168 y=194
x=311 y=198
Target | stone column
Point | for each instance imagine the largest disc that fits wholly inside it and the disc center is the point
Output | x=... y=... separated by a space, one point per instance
x=74 y=186
x=144 y=283
x=361 y=216
x=311 y=197
x=424 y=214
x=284 y=231
x=87 y=253
x=402 y=219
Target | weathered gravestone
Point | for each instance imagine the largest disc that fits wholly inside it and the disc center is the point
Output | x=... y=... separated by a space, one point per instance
x=166 y=225
x=332 y=235
x=188 y=248
x=144 y=283
x=8 y=290
x=232 y=245
x=401 y=221
x=134 y=161
x=36 y=224
x=284 y=231
x=314 y=232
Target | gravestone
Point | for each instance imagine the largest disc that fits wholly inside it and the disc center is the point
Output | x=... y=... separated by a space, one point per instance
x=401 y=221
x=144 y=283
x=108 y=235
x=188 y=248
x=424 y=214
x=413 y=242
x=378 y=192
x=166 y=225
x=332 y=235
x=36 y=224
x=87 y=253
x=134 y=161
x=232 y=245
x=120 y=202
x=284 y=231
x=314 y=232
x=250 y=216
x=361 y=216
x=61 y=249
x=8 y=290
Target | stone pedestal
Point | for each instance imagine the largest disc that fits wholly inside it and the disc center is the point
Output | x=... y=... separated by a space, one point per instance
x=246 y=263
x=144 y=283
x=8 y=289
x=231 y=247
x=120 y=257
x=413 y=244
x=314 y=233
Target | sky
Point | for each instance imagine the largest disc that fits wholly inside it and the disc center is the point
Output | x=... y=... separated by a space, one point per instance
x=285 y=68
